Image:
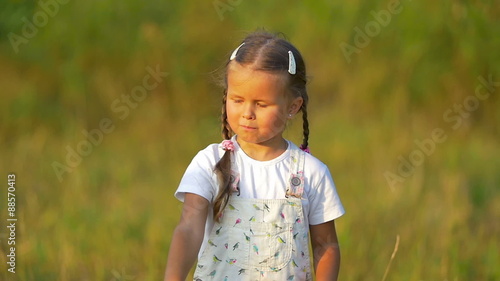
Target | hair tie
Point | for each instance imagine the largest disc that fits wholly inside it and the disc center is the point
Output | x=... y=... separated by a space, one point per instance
x=227 y=145
x=305 y=148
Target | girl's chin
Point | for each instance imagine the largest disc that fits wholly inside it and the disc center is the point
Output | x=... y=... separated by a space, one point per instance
x=243 y=138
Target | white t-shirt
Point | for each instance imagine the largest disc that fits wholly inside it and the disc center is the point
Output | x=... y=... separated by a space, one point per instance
x=263 y=180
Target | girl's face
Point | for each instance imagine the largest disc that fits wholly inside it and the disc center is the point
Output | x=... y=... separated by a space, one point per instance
x=258 y=106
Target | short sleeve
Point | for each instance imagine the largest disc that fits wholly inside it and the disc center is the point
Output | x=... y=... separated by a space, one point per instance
x=199 y=177
x=324 y=202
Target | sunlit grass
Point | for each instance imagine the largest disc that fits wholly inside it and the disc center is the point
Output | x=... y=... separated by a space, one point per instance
x=114 y=213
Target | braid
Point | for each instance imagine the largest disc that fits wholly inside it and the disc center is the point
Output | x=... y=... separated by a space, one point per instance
x=223 y=167
x=226 y=133
x=305 y=125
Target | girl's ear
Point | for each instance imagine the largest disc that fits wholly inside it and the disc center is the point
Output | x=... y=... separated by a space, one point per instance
x=295 y=105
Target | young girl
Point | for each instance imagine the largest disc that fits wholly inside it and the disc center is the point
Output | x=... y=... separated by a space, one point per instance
x=252 y=202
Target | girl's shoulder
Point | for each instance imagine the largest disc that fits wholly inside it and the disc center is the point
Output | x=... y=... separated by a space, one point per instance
x=311 y=164
x=314 y=170
x=210 y=154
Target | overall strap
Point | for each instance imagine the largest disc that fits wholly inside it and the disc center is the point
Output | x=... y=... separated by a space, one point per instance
x=295 y=186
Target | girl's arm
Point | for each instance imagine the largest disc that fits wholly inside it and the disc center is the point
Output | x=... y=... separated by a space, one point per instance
x=326 y=251
x=187 y=237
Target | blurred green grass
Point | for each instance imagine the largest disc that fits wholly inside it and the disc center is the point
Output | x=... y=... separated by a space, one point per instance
x=115 y=212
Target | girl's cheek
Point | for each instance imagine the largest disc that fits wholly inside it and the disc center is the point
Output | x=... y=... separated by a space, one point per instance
x=279 y=122
x=230 y=109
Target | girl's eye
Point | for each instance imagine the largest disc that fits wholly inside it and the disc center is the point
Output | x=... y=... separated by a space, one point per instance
x=237 y=101
x=261 y=104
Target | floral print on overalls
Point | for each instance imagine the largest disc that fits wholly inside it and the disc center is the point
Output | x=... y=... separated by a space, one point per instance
x=260 y=239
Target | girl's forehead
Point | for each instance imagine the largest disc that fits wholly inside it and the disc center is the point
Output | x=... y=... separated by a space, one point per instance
x=239 y=75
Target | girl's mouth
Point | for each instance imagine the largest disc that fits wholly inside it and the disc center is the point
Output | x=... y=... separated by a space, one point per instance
x=247 y=127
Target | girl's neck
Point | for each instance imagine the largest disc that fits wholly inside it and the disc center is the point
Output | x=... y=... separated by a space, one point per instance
x=264 y=152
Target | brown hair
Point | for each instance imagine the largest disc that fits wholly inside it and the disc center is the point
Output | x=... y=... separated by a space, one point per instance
x=266 y=52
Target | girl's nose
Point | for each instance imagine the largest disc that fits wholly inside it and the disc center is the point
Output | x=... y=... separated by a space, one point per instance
x=248 y=113
x=249 y=116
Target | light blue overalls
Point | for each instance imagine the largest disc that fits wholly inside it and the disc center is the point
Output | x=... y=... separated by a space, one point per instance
x=260 y=239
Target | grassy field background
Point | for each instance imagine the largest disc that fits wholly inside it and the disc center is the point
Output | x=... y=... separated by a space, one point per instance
x=108 y=213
